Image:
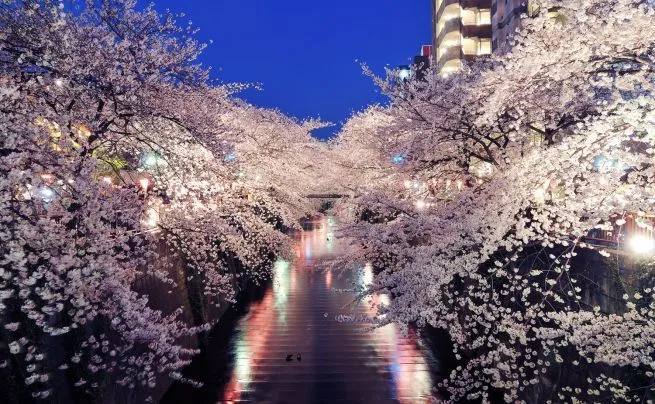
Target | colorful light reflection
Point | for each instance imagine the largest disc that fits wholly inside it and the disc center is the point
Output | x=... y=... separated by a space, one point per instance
x=401 y=358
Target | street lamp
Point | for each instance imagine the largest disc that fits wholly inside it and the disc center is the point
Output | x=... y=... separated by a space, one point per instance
x=642 y=245
x=152 y=218
x=47 y=194
x=145 y=184
x=404 y=73
x=152 y=160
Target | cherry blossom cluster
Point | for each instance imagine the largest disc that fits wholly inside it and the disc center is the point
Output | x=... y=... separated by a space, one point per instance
x=489 y=181
x=123 y=164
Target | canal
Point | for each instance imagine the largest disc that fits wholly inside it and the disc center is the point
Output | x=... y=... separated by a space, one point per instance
x=306 y=339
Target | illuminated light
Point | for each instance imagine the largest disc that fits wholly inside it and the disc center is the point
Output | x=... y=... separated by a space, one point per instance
x=328 y=279
x=152 y=160
x=281 y=286
x=308 y=249
x=398 y=159
x=107 y=180
x=294 y=281
x=408 y=184
x=605 y=165
x=231 y=156
x=404 y=73
x=27 y=195
x=152 y=219
x=242 y=365
x=366 y=275
x=59 y=82
x=481 y=169
x=145 y=183
x=540 y=195
x=420 y=204
x=47 y=194
x=642 y=245
x=281 y=267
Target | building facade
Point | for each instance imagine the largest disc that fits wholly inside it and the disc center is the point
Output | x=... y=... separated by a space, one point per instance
x=461 y=30
x=465 y=29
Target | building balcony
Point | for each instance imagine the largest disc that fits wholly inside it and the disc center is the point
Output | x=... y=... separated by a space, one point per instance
x=450 y=66
x=476 y=31
x=442 y=4
x=448 y=30
x=482 y=4
x=475 y=16
x=476 y=46
x=449 y=53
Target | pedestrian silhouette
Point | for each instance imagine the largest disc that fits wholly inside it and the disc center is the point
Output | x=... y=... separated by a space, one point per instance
x=298 y=357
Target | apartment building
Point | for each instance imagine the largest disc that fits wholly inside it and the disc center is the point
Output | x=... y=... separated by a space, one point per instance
x=461 y=31
x=466 y=29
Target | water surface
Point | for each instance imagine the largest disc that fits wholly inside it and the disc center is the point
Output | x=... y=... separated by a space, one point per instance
x=305 y=311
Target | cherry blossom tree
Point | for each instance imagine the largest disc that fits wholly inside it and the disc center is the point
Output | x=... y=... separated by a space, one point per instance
x=114 y=143
x=489 y=243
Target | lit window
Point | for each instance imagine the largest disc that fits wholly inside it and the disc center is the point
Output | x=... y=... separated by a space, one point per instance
x=469 y=16
x=484 y=17
x=470 y=46
x=485 y=47
x=473 y=16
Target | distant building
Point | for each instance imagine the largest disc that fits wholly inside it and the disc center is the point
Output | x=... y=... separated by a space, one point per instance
x=423 y=61
x=425 y=56
x=461 y=30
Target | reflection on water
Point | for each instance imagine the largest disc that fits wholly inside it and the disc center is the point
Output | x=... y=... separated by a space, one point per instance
x=366 y=275
x=339 y=360
x=281 y=283
x=328 y=278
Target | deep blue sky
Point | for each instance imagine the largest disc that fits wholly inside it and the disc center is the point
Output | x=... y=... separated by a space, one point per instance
x=304 y=52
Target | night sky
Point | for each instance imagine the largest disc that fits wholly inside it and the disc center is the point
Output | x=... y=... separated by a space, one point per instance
x=304 y=52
